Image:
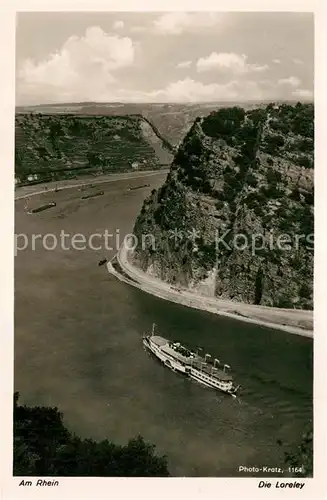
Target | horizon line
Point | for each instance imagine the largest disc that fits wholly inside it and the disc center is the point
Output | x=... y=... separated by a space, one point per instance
x=162 y=103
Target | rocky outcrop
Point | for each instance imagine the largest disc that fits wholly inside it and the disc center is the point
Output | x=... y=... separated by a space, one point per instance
x=234 y=218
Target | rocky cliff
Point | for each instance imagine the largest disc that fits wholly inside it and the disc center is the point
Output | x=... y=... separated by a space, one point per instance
x=234 y=218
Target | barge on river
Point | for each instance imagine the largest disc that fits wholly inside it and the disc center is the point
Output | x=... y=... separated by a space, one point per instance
x=178 y=358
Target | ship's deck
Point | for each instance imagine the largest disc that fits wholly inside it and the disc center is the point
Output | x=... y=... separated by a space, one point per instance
x=175 y=354
x=159 y=341
x=195 y=361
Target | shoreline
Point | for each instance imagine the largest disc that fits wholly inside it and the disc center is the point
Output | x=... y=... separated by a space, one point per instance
x=46 y=187
x=275 y=318
x=287 y=320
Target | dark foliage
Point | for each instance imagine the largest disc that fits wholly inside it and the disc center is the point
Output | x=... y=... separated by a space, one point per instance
x=251 y=180
x=301 y=456
x=223 y=122
x=189 y=157
x=299 y=119
x=273 y=176
x=44 y=447
x=273 y=143
x=305 y=145
x=219 y=204
x=256 y=115
x=304 y=161
x=256 y=199
x=207 y=253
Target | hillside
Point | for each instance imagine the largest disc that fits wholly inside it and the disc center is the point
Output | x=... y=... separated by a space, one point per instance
x=63 y=146
x=171 y=120
x=43 y=446
x=234 y=218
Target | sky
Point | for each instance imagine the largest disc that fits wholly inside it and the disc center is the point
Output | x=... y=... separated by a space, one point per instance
x=163 y=57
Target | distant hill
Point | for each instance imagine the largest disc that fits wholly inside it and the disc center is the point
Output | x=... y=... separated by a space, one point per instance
x=65 y=145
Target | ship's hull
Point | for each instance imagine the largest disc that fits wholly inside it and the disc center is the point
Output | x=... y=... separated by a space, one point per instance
x=200 y=378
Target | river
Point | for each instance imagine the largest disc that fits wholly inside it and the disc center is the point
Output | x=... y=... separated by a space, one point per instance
x=78 y=347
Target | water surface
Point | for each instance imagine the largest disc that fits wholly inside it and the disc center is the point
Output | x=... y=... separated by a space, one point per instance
x=78 y=347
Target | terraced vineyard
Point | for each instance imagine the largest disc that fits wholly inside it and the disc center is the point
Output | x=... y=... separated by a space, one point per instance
x=53 y=147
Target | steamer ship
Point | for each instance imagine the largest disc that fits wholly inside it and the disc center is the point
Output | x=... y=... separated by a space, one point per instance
x=205 y=370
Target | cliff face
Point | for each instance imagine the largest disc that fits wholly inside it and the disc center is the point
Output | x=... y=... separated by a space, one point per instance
x=53 y=147
x=234 y=218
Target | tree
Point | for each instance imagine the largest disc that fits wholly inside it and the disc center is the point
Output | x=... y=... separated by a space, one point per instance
x=251 y=180
x=302 y=456
x=44 y=447
x=273 y=143
x=223 y=122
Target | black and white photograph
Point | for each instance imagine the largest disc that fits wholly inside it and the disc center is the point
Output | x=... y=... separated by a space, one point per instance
x=164 y=247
